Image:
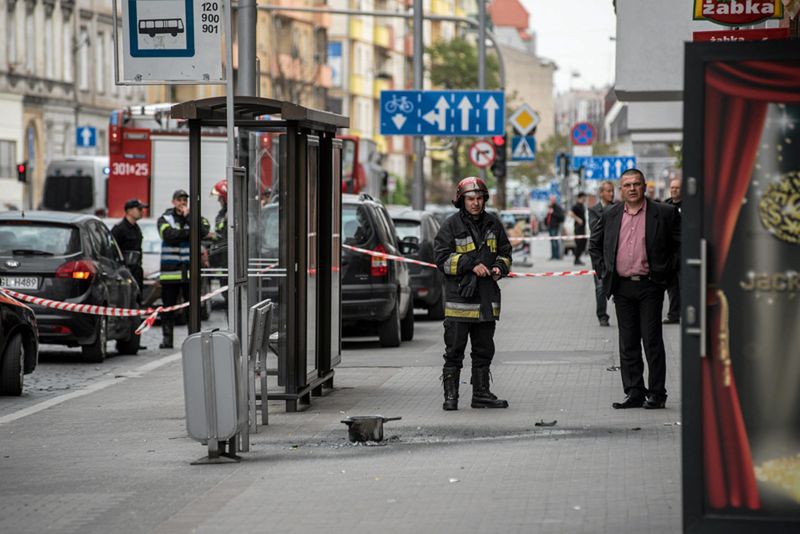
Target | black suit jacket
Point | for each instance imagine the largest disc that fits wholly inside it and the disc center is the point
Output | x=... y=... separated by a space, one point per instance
x=662 y=243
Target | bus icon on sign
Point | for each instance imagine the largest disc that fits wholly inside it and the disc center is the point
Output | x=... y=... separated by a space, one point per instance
x=153 y=27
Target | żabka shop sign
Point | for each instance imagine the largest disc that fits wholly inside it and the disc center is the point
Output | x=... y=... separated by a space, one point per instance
x=737 y=12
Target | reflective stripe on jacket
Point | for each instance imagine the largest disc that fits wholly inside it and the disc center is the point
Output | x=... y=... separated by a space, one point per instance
x=462 y=243
x=175 y=245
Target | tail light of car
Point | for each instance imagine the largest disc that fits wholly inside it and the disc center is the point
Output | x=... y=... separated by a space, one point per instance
x=77 y=270
x=379 y=267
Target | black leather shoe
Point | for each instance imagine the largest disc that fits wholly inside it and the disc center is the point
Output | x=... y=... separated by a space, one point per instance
x=670 y=320
x=629 y=402
x=604 y=322
x=654 y=403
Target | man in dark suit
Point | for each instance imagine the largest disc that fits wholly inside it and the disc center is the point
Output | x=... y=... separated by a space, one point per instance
x=674 y=291
x=635 y=246
x=605 y=195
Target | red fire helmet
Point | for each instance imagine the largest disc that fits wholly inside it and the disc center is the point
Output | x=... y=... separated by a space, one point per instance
x=469 y=185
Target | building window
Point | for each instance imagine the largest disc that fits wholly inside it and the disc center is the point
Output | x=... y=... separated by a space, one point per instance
x=11 y=27
x=83 y=61
x=30 y=42
x=8 y=154
x=110 y=53
x=49 y=49
x=66 y=50
x=100 y=62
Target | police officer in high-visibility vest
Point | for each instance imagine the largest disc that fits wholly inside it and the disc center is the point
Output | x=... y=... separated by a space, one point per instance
x=473 y=251
x=173 y=226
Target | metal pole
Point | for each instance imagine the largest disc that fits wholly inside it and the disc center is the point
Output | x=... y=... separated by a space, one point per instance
x=418 y=197
x=194 y=226
x=482 y=56
x=233 y=312
x=246 y=19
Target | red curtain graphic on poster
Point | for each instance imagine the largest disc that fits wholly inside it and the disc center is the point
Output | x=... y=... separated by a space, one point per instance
x=736 y=100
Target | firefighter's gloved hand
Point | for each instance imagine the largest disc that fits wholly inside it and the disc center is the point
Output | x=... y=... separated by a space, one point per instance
x=468 y=286
x=485 y=256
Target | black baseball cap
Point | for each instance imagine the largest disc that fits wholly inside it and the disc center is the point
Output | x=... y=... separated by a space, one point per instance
x=135 y=203
x=179 y=193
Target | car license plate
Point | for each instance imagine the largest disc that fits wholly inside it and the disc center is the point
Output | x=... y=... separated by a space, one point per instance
x=19 y=282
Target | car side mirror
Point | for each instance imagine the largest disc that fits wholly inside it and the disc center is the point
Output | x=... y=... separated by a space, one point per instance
x=409 y=245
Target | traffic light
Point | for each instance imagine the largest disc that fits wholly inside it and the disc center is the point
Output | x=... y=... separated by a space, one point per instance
x=499 y=165
x=22 y=172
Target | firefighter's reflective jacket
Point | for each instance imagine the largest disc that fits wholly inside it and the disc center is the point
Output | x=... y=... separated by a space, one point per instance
x=461 y=244
x=175 y=246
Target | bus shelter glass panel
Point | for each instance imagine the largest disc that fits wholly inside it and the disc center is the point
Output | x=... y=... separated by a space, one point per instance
x=312 y=239
x=336 y=258
x=266 y=157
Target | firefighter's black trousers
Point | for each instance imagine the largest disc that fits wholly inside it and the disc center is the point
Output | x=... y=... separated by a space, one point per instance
x=481 y=335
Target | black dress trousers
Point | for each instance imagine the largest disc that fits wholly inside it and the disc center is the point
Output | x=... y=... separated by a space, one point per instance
x=638 y=305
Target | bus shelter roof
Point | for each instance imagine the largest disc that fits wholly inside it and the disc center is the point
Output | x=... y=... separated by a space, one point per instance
x=250 y=108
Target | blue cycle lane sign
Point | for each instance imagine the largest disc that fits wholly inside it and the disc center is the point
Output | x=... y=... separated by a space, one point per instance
x=603 y=167
x=447 y=113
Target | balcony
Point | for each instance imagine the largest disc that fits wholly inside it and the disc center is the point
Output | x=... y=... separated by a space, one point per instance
x=361 y=86
x=383 y=36
x=361 y=30
x=290 y=67
x=381 y=84
x=442 y=7
x=324 y=76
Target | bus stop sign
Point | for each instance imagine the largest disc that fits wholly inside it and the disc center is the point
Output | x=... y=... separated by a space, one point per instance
x=171 y=41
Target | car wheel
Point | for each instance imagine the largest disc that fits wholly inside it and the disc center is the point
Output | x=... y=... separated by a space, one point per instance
x=436 y=311
x=389 y=330
x=131 y=344
x=96 y=352
x=407 y=324
x=12 y=367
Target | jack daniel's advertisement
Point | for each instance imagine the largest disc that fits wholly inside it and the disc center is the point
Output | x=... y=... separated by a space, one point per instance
x=761 y=283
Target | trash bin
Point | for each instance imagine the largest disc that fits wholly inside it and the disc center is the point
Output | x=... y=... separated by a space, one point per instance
x=211 y=372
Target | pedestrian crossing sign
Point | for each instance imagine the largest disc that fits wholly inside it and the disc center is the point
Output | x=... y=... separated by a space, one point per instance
x=523 y=148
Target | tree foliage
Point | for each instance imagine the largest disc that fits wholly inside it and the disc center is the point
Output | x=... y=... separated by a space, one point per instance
x=454 y=65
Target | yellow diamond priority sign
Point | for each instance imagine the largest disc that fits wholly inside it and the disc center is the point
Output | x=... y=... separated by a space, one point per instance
x=524 y=119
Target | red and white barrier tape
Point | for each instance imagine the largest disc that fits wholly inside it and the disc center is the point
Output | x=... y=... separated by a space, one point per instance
x=426 y=264
x=92 y=309
x=548 y=238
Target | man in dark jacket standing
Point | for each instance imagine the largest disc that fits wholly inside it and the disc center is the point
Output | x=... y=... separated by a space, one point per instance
x=605 y=195
x=173 y=227
x=129 y=238
x=635 y=245
x=473 y=251
x=674 y=289
x=553 y=220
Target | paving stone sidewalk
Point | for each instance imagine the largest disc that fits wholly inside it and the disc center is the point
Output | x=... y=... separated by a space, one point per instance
x=117 y=460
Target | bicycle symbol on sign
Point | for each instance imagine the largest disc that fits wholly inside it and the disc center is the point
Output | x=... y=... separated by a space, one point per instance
x=401 y=103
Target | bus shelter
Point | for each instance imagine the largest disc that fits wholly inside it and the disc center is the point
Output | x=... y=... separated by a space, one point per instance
x=287 y=235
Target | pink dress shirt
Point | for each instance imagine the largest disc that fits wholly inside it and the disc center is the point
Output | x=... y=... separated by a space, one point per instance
x=631 y=249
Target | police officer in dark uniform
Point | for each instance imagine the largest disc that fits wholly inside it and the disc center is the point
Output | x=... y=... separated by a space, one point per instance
x=129 y=238
x=473 y=251
x=173 y=227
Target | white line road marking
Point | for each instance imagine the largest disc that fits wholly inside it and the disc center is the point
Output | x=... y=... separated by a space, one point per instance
x=49 y=403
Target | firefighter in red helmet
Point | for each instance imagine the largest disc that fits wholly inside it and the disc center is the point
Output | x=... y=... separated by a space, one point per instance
x=473 y=251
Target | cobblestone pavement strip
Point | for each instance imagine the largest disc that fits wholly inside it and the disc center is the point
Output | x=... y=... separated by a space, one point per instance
x=117 y=460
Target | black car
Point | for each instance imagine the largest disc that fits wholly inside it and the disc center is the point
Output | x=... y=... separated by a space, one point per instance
x=376 y=292
x=19 y=344
x=70 y=257
x=427 y=283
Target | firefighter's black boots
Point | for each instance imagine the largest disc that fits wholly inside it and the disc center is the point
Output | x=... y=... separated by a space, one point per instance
x=166 y=333
x=481 y=396
x=450 y=378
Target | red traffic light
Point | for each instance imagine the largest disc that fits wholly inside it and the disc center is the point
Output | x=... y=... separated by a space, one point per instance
x=20 y=168
x=498 y=140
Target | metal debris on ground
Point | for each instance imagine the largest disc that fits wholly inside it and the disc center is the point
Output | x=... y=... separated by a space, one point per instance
x=542 y=422
x=613 y=368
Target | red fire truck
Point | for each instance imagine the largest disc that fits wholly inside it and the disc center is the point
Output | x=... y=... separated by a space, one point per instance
x=361 y=167
x=149 y=159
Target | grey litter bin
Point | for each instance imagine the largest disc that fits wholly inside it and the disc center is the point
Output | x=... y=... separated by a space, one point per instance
x=211 y=371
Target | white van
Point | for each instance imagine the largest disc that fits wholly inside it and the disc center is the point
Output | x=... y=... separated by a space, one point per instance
x=76 y=184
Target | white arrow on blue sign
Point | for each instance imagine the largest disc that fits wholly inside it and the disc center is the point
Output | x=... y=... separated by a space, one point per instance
x=523 y=148
x=449 y=113
x=603 y=167
x=86 y=137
